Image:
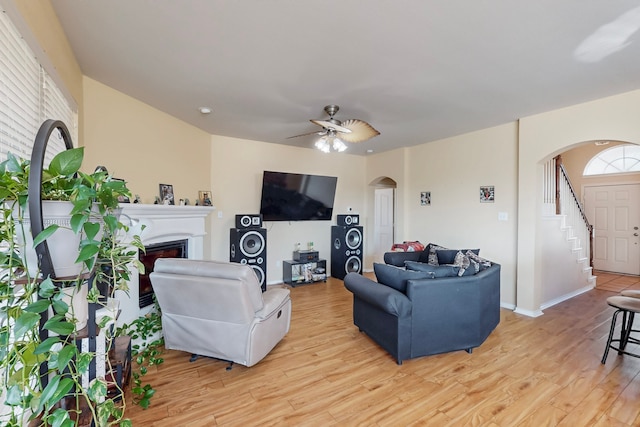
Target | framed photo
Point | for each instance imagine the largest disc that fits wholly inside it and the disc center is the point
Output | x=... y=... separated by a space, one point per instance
x=487 y=194
x=204 y=198
x=166 y=194
x=425 y=198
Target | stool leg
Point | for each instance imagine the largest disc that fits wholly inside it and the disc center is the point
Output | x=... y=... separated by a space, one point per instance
x=628 y=328
x=611 y=331
x=623 y=332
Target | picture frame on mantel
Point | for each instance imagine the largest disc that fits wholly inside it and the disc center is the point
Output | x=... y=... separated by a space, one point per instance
x=204 y=198
x=166 y=194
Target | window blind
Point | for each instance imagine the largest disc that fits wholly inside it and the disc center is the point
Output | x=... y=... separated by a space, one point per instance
x=28 y=96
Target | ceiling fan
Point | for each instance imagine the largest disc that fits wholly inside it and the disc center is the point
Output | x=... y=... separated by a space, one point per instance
x=334 y=131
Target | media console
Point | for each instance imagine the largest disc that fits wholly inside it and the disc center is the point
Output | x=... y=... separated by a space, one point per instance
x=303 y=272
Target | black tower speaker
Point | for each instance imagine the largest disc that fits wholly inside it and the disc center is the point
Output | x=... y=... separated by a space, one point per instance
x=351 y=219
x=248 y=221
x=249 y=246
x=346 y=250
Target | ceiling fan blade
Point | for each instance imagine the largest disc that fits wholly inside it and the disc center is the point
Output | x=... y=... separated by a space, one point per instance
x=306 y=134
x=328 y=125
x=359 y=131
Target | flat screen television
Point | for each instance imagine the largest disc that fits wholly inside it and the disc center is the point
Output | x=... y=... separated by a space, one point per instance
x=297 y=197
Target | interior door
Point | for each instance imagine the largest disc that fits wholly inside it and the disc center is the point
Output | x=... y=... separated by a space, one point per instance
x=383 y=222
x=614 y=212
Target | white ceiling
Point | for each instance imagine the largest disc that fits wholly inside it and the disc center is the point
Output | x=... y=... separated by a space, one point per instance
x=417 y=70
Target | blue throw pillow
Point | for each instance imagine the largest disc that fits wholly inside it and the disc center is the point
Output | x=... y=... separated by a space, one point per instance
x=396 y=277
x=436 y=271
x=448 y=256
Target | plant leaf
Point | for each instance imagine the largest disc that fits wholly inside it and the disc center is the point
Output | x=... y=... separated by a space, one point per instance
x=45 y=234
x=60 y=418
x=87 y=252
x=38 y=306
x=25 y=323
x=46 y=288
x=59 y=327
x=62 y=388
x=91 y=229
x=46 y=345
x=67 y=162
x=65 y=355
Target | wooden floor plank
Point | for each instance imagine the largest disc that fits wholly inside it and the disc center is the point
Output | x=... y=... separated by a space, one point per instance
x=543 y=371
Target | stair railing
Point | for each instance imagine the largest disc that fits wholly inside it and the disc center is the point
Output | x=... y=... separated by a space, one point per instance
x=567 y=203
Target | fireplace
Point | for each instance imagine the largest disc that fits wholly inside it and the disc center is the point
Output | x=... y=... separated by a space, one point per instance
x=158 y=225
x=174 y=249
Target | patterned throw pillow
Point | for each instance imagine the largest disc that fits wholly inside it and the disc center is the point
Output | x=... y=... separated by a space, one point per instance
x=462 y=261
x=431 y=255
x=483 y=264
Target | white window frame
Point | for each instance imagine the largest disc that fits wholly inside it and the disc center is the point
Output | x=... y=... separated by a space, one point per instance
x=621 y=159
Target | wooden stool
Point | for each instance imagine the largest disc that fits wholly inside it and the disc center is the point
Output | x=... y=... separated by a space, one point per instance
x=628 y=306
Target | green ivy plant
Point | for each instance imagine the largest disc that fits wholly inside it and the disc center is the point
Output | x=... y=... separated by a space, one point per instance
x=24 y=299
x=146 y=353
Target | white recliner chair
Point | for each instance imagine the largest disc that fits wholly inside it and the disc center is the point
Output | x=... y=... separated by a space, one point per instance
x=218 y=309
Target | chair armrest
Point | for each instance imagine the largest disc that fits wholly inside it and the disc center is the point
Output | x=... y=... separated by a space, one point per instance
x=398 y=258
x=380 y=296
x=273 y=299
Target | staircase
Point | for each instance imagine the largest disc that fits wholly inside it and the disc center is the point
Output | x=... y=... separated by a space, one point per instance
x=572 y=242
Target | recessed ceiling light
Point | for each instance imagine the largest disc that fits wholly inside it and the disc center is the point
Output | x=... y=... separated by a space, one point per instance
x=602 y=142
x=205 y=110
x=369 y=150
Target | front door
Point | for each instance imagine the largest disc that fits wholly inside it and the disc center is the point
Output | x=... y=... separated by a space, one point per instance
x=614 y=212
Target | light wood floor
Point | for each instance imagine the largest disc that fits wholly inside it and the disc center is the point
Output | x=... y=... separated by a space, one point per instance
x=530 y=372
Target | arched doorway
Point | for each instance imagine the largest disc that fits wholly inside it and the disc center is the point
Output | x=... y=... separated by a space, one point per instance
x=383 y=216
x=606 y=174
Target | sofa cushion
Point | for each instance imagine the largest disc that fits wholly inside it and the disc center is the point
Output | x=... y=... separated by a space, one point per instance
x=396 y=277
x=448 y=256
x=435 y=271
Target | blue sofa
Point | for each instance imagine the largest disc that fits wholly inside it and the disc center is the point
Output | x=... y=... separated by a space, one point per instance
x=420 y=315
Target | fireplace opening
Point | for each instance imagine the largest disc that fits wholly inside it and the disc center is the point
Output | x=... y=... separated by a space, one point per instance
x=174 y=249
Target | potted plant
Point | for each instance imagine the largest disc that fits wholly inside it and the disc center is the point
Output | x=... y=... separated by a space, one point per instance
x=44 y=373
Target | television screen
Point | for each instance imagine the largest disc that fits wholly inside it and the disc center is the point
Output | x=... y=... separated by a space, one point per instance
x=297 y=197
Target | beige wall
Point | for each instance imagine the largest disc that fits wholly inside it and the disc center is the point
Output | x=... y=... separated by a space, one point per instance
x=453 y=170
x=143 y=145
x=236 y=169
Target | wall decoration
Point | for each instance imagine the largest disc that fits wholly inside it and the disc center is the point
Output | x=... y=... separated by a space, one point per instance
x=425 y=198
x=166 y=194
x=487 y=194
x=204 y=198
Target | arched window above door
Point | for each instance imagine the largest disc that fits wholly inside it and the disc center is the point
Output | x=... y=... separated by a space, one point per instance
x=619 y=159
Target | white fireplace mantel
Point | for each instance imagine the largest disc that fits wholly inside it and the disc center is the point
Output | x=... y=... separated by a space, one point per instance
x=158 y=224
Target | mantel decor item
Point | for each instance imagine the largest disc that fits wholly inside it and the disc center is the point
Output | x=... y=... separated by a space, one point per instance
x=487 y=194
x=204 y=198
x=166 y=194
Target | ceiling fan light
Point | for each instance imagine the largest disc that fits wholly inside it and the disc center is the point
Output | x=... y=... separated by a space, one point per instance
x=339 y=145
x=323 y=145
